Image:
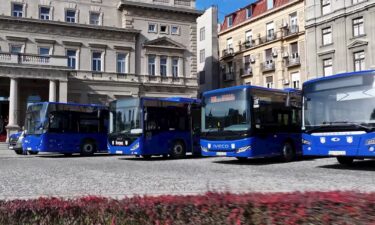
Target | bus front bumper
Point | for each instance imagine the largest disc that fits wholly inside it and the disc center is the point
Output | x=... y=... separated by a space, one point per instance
x=133 y=149
x=236 y=148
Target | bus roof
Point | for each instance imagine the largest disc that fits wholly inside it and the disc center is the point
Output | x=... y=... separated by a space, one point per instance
x=249 y=87
x=339 y=76
x=174 y=99
x=73 y=104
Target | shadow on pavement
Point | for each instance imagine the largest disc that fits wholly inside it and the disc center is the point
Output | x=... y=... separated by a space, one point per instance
x=258 y=162
x=160 y=158
x=55 y=156
x=365 y=165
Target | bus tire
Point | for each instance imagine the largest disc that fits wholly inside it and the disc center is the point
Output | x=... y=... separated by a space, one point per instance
x=32 y=152
x=347 y=161
x=19 y=152
x=88 y=148
x=288 y=152
x=178 y=150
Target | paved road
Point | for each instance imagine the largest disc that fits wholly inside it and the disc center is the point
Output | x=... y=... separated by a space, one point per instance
x=116 y=176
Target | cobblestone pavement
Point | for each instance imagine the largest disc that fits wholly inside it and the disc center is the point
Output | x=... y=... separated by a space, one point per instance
x=116 y=176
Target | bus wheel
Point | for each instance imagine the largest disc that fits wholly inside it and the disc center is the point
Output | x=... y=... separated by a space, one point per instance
x=88 y=148
x=288 y=153
x=345 y=160
x=178 y=150
x=18 y=152
x=32 y=152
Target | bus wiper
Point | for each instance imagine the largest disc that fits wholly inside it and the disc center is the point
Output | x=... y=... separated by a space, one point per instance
x=367 y=128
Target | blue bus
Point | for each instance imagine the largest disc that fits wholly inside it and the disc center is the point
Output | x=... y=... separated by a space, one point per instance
x=251 y=122
x=339 y=116
x=154 y=126
x=66 y=128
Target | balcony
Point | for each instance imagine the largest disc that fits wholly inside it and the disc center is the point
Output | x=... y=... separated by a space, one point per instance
x=227 y=52
x=248 y=44
x=35 y=60
x=291 y=30
x=229 y=76
x=246 y=72
x=293 y=60
x=270 y=37
x=268 y=66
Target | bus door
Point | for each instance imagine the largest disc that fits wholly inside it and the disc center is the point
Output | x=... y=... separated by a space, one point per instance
x=195 y=121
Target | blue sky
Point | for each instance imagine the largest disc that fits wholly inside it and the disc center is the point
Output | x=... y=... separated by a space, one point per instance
x=225 y=6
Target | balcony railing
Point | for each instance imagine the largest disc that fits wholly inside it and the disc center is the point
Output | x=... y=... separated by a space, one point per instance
x=293 y=60
x=270 y=37
x=29 y=59
x=228 y=52
x=228 y=76
x=246 y=72
x=293 y=29
x=268 y=66
x=248 y=44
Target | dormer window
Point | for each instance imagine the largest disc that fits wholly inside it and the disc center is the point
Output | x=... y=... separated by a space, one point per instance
x=270 y=4
x=230 y=21
x=249 y=12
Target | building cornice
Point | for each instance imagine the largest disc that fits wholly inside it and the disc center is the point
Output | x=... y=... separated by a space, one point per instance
x=344 y=12
x=264 y=15
x=125 y=4
x=67 y=25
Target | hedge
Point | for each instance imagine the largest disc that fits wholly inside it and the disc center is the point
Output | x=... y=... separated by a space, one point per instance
x=211 y=208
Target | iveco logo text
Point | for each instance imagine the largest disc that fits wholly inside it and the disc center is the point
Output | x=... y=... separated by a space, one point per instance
x=335 y=139
x=221 y=146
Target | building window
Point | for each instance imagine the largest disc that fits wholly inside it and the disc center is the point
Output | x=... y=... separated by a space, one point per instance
x=248 y=36
x=17 y=10
x=296 y=80
x=152 y=28
x=359 y=61
x=151 y=65
x=97 y=61
x=72 y=58
x=357 y=1
x=230 y=21
x=164 y=29
x=270 y=4
x=121 y=63
x=44 y=13
x=294 y=50
x=326 y=6
x=202 y=77
x=175 y=30
x=202 y=56
x=202 y=34
x=269 y=82
x=327 y=67
x=270 y=31
x=247 y=65
x=249 y=12
x=70 y=16
x=15 y=49
x=175 y=67
x=268 y=58
x=94 y=18
x=230 y=44
x=327 y=36
x=358 y=27
x=44 y=51
x=163 y=66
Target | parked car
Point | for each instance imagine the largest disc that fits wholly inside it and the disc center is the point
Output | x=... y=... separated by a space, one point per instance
x=15 y=142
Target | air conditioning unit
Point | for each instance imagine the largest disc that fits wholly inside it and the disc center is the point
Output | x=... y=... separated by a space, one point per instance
x=286 y=55
x=274 y=53
x=252 y=59
x=284 y=24
x=286 y=82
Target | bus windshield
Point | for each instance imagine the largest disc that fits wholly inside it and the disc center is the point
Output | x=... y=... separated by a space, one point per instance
x=342 y=102
x=35 y=118
x=226 y=112
x=125 y=116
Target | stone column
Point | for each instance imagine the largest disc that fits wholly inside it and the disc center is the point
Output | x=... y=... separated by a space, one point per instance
x=181 y=67
x=63 y=92
x=52 y=91
x=13 y=126
x=157 y=65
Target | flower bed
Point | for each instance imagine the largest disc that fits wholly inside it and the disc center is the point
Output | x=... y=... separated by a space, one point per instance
x=212 y=208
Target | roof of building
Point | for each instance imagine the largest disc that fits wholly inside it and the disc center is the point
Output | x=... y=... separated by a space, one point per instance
x=258 y=8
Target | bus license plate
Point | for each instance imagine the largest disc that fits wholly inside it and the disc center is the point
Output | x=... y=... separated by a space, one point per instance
x=119 y=143
x=221 y=153
x=119 y=152
x=337 y=153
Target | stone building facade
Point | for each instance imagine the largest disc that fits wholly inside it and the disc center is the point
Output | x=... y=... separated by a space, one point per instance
x=263 y=44
x=94 y=51
x=339 y=36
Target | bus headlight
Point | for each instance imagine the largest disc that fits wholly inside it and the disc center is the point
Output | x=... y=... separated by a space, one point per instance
x=135 y=147
x=306 y=142
x=243 y=149
x=204 y=149
x=370 y=141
